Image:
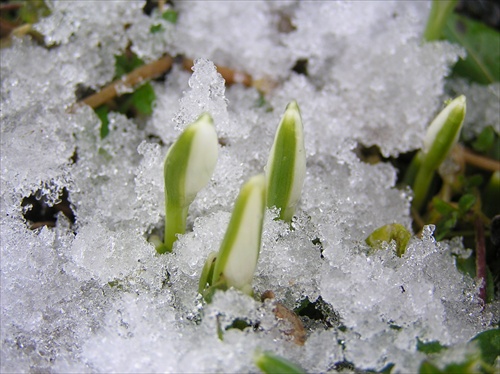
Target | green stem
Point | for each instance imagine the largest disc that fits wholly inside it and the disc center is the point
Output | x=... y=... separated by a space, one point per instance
x=437 y=18
x=411 y=172
x=421 y=186
x=175 y=223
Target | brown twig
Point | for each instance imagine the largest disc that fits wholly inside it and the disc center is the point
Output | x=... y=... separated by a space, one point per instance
x=161 y=5
x=478 y=160
x=37 y=225
x=480 y=258
x=141 y=74
x=9 y=7
x=6 y=27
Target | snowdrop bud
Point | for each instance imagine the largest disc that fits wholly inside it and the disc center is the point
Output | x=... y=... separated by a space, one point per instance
x=189 y=165
x=286 y=166
x=441 y=136
x=237 y=258
x=269 y=363
x=443 y=132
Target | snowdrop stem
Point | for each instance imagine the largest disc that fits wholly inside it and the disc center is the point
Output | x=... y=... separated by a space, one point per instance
x=411 y=172
x=440 y=10
x=441 y=136
x=421 y=186
x=175 y=224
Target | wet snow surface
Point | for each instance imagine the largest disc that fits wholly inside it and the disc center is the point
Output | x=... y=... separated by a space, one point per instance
x=93 y=296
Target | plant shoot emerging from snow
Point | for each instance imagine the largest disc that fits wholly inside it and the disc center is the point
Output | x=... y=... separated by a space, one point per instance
x=189 y=165
x=286 y=166
x=235 y=264
x=441 y=135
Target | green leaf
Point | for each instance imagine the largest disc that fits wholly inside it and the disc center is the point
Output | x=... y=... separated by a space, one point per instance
x=286 y=165
x=443 y=207
x=467 y=265
x=270 y=363
x=445 y=225
x=239 y=251
x=102 y=113
x=428 y=368
x=156 y=28
x=469 y=366
x=33 y=10
x=466 y=202
x=482 y=44
x=143 y=99
x=387 y=233
x=491 y=195
x=170 y=15
x=489 y=344
x=485 y=140
x=429 y=347
x=473 y=181
x=494 y=152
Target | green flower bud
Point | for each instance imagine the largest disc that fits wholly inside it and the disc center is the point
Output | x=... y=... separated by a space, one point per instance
x=441 y=136
x=189 y=165
x=239 y=251
x=286 y=166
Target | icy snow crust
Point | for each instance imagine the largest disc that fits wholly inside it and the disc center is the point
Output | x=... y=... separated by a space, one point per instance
x=95 y=297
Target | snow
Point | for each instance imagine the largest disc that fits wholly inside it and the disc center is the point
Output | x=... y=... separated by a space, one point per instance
x=93 y=296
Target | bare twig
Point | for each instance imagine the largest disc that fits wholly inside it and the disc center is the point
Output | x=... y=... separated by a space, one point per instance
x=478 y=160
x=37 y=225
x=8 y=7
x=161 y=5
x=141 y=74
x=480 y=258
x=6 y=26
x=22 y=31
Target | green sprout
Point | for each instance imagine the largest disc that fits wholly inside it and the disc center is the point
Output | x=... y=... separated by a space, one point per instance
x=394 y=231
x=286 y=166
x=438 y=16
x=441 y=136
x=236 y=261
x=269 y=363
x=189 y=165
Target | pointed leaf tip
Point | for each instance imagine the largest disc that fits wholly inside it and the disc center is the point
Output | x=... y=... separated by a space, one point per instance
x=188 y=167
x=443 y=131
x=286 y=165
x=240 y=248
